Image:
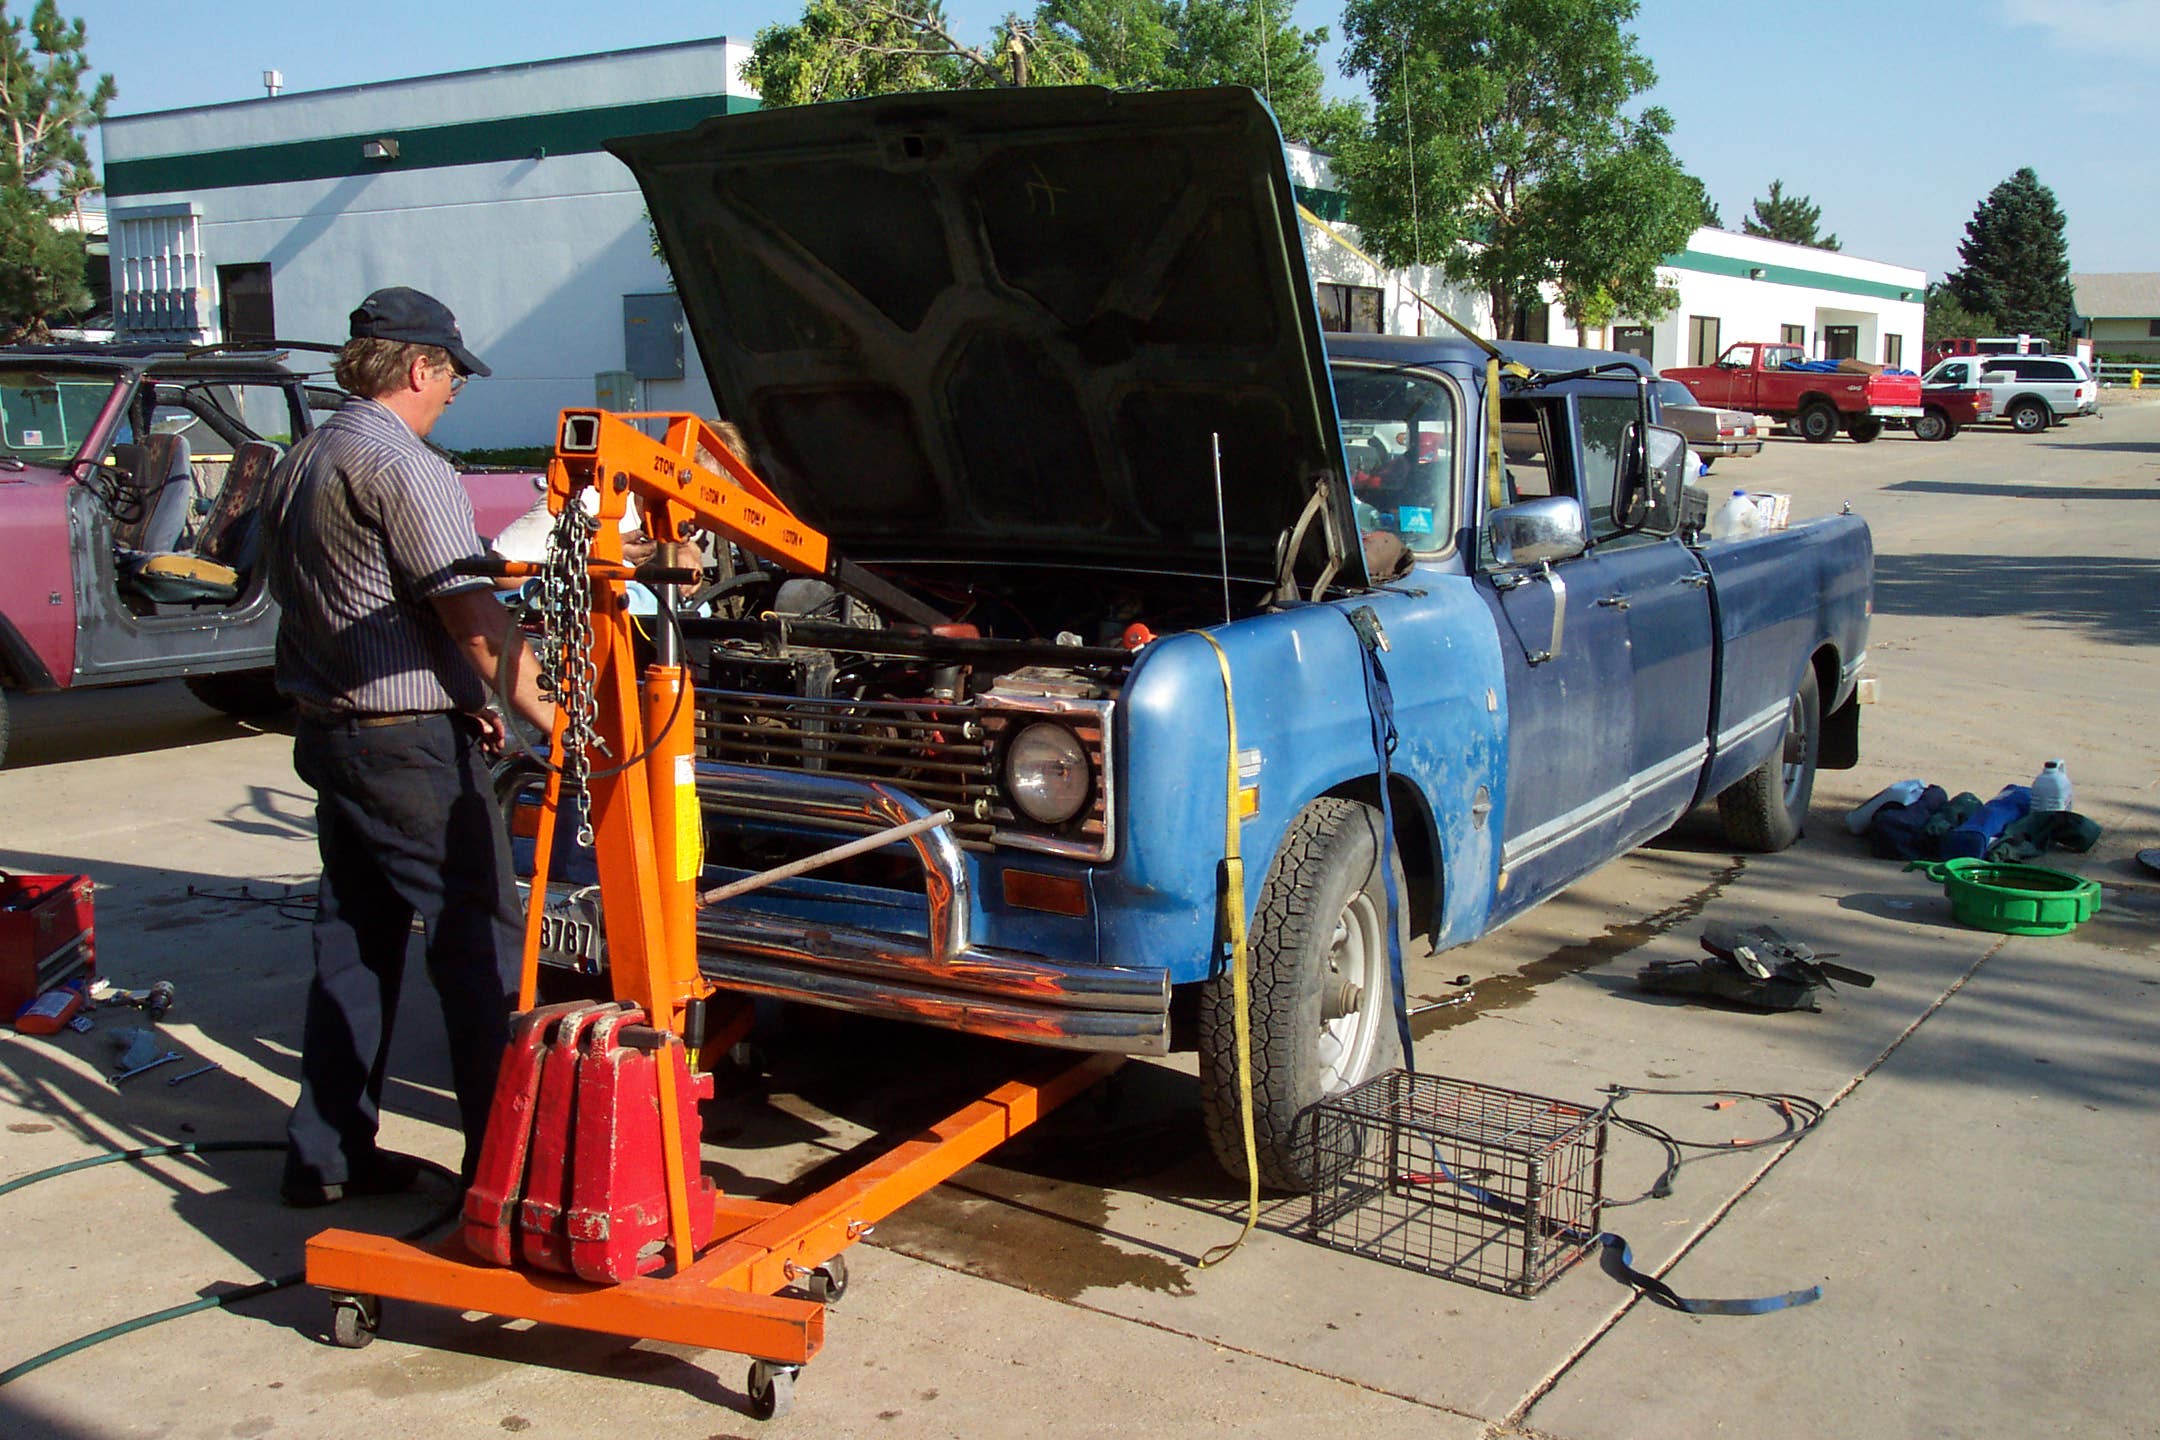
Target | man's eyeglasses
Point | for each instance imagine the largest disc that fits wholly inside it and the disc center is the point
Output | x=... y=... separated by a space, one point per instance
x=457 y=379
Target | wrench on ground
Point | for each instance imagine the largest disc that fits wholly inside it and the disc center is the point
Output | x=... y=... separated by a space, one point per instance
x=198 y=1070
x=166 y=1058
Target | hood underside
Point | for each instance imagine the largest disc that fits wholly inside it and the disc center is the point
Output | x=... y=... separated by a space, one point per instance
x=1012 y=325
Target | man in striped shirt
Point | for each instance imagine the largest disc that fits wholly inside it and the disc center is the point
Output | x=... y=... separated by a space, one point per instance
x=389 y=655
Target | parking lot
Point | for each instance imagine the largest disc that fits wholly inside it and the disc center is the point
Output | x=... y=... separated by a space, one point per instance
x=1976 y=1203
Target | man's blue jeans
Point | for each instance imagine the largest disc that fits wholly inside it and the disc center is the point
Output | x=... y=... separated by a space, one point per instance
x=408 y=825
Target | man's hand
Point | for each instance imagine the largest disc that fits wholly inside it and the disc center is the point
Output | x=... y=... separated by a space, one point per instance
x=494 y=735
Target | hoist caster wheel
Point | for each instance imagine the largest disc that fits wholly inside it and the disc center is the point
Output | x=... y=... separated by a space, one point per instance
x=353 y=1321
x=828 y=1282
x=772 y=1389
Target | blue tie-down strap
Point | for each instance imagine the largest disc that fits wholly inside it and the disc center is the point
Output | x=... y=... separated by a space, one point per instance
x=1618 y=1261
x=1618 y=1257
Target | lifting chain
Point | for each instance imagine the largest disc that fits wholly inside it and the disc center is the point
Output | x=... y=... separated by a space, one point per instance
x=567 y=674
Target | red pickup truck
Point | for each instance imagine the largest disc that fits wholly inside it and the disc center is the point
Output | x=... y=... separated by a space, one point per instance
x=1814 y=398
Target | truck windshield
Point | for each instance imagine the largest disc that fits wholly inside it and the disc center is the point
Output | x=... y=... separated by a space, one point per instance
x=1399 y=429
x=46 y=416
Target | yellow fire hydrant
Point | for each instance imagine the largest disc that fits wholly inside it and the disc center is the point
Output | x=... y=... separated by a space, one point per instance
x=2137 y=379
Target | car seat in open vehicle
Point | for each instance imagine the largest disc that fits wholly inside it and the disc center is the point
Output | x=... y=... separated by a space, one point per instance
x=215 y=571
x=151 y=503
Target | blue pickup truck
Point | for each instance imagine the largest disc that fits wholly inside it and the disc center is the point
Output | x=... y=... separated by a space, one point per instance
x=1049 y=362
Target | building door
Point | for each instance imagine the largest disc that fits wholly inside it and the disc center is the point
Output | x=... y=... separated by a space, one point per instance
x=1840 y=342
x=244 y=297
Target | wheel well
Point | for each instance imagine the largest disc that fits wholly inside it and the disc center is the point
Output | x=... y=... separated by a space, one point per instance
x=2040 y=400
x=1414 y=842
x=1826 y=675
x=1815 y=397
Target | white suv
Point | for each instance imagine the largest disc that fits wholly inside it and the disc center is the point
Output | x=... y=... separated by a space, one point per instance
x=2031 y=391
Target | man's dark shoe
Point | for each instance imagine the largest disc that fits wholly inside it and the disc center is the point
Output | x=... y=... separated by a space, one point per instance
x=386 y=1173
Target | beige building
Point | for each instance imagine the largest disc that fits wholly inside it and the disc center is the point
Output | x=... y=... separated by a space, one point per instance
x=2120 y=312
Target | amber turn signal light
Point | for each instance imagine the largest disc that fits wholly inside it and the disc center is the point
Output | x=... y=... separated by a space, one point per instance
x=1055 y=894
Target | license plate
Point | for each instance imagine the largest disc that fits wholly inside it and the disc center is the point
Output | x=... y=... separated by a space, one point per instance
x=570 y=935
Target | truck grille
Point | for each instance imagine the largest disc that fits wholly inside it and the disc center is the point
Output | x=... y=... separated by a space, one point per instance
x=945 y=755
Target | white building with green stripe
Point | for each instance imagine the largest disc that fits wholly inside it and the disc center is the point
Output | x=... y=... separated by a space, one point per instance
x=1732 y=287
x=488 y=189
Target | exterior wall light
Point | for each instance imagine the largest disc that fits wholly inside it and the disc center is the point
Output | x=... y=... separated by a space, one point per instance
x=378 y=149
x=1756 y=272
x=1904 y=294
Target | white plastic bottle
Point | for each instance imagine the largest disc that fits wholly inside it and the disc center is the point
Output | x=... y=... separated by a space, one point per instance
x=1735 y=518
x=2051 y=787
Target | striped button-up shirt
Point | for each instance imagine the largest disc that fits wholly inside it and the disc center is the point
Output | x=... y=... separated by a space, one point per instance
x=361 y=527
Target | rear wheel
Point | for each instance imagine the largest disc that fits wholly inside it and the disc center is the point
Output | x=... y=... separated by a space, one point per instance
x=1863 y=428
x=243 y=694
x=2028 y=417
x=1934 y=424
x=1817 y=424
x=1767 y=810
x=1321 y=1004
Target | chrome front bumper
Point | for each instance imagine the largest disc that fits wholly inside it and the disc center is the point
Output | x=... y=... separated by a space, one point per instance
x=942 y=978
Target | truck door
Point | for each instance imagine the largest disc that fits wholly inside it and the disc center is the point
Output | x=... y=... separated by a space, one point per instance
x=1565 y=799
x=1664 y=592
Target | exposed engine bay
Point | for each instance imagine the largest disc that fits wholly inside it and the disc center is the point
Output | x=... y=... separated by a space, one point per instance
x=1004 y=715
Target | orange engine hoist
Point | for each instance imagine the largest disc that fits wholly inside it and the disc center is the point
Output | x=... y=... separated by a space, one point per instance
x=590 y=1208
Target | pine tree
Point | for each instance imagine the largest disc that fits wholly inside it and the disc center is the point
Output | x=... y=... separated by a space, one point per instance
x=2017 y=264
x=1791 y=218
x=44 y=112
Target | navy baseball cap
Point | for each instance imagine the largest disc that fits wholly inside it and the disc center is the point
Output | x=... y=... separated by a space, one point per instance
x=400 y=313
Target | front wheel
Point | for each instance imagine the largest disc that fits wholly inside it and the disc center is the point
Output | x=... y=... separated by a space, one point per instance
x=1767 y=809
x=1818 y=424
x=2028 y=417
x=1321 y=1005
x=1863 y=428
x=1933 y=425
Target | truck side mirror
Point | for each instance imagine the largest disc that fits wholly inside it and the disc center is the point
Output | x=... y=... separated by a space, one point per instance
x=1537 y=532
x=1653 y=468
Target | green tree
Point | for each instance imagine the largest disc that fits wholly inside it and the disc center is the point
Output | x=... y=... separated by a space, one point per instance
x=841 y=49
x=44 y=165
x=1711 y=219
x=2017 y=264
x=1791 y=218
x=1499 y=151
x=1948 y=319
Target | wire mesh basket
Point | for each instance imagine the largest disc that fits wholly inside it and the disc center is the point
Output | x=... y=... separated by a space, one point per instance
x=1489 y=1187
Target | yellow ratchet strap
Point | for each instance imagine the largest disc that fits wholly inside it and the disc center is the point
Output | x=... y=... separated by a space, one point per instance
x=1496 y=364
x=1233 y=912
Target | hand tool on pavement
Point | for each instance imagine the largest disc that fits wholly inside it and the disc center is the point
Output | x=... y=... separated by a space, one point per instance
x=198 y=1070
x=154 y=1001
x=168 y=1057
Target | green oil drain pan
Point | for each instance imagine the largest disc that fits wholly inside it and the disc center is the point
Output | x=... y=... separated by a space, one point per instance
x=2014 y=899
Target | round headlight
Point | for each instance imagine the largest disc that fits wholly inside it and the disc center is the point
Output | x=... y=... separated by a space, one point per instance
x=1046 y=773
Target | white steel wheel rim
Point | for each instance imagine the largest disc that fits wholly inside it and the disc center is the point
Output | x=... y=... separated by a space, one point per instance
x=1795 y=750
x=1357 y=957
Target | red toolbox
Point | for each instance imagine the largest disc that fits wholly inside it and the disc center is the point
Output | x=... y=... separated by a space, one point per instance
x=46 y=935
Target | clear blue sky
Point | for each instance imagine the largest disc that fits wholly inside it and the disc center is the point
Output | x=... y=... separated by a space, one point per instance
x=1896 y=117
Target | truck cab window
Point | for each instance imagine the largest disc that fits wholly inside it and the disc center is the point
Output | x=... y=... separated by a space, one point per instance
x=1399 y=438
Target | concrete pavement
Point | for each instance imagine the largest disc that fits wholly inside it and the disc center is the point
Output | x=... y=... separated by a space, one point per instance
x=1974 y=1203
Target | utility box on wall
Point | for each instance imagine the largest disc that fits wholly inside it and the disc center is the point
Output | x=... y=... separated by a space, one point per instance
x=615 y=390
x=652 y=336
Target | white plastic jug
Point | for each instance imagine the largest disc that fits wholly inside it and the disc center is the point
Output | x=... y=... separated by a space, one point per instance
x=2051 y=787
x=1735 y=518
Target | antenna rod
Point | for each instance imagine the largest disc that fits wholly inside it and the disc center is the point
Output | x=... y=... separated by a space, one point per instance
x=1222 y=527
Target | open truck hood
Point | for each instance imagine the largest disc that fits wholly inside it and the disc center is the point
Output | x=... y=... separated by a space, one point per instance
x=1006 y=326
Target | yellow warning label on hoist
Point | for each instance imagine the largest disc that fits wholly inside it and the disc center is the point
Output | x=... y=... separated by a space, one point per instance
x=689 y=821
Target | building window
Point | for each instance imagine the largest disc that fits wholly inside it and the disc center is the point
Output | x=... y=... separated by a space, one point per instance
x=1702 y=339
x=1793 y=335
x=244 y=298
x=1840 y=342
x=1632 y=340
x=2152 y=328
x=1350 y=309
x=1533 y=322
x=160 y=291
x=1893 y=351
